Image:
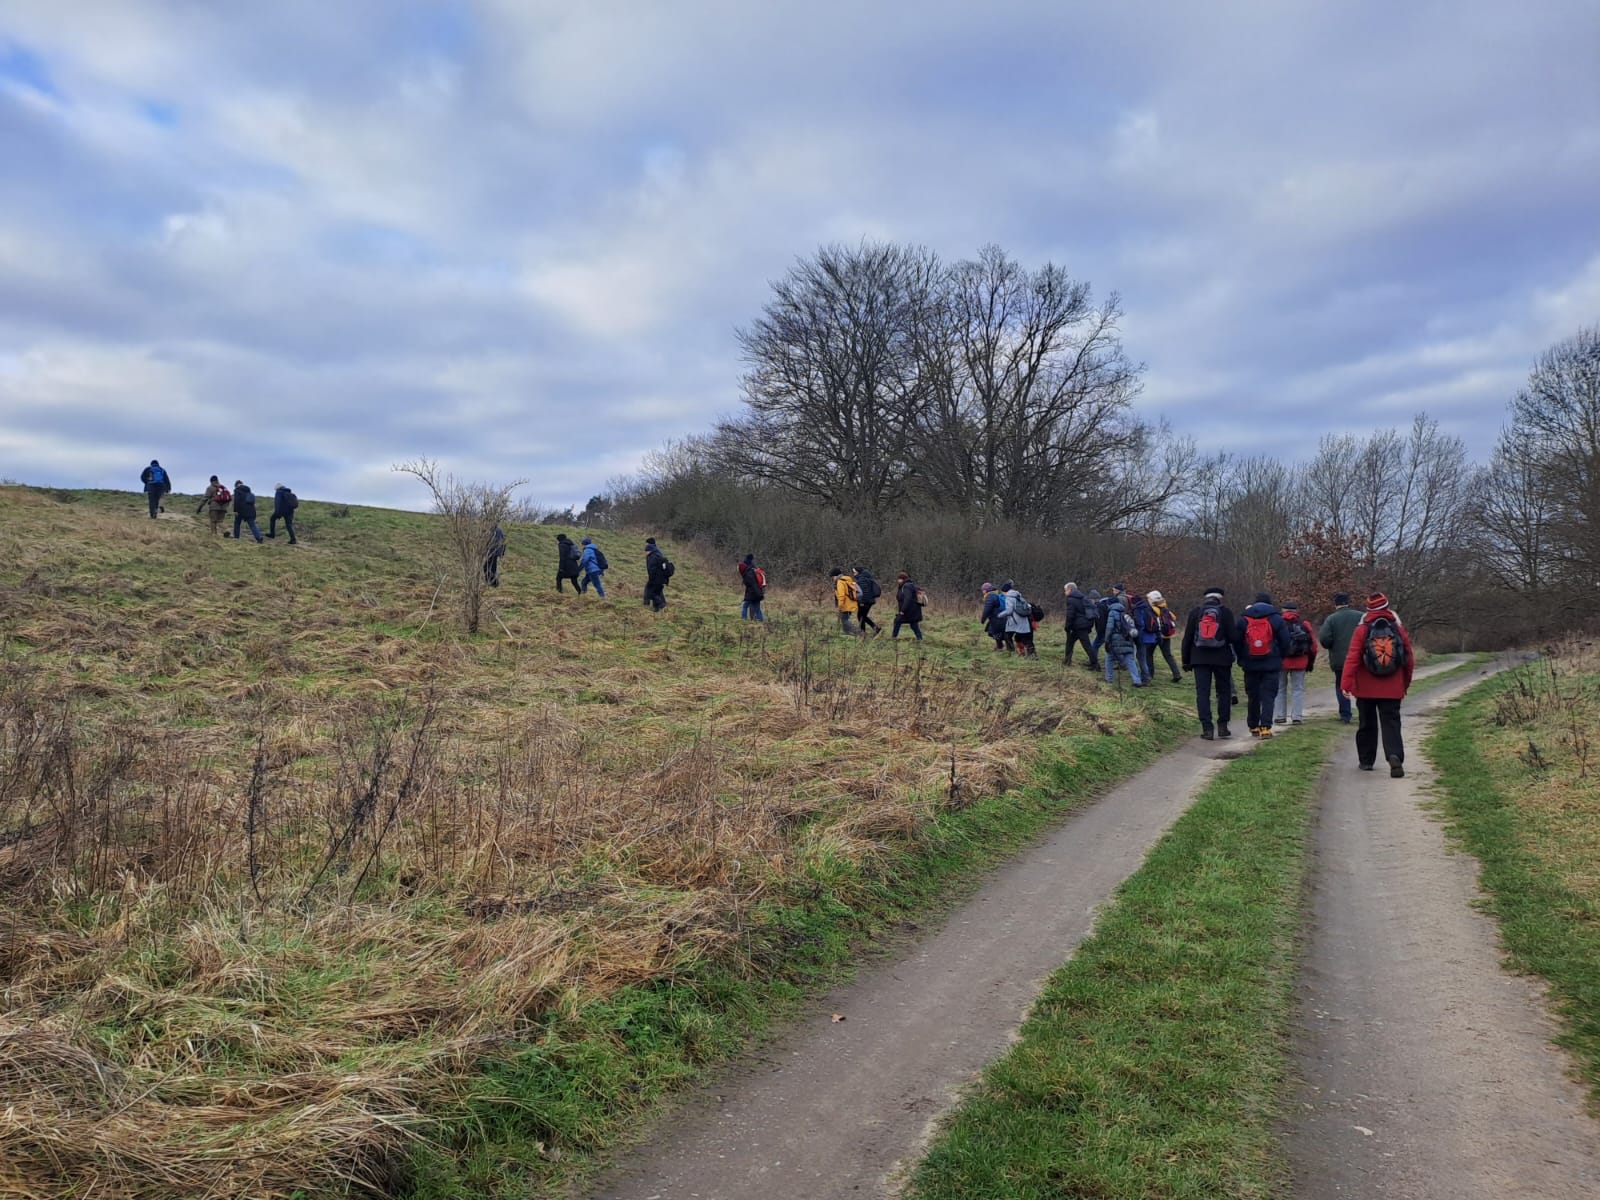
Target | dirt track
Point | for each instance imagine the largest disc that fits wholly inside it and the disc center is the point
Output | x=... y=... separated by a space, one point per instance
x=836 y=1108
x=1428 y=1070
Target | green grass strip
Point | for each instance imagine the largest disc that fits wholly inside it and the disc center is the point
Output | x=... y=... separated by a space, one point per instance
x=1547 y=929
x=545 y=1111
x=1152 y=1064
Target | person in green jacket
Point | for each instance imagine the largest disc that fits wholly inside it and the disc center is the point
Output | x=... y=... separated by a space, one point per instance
x=1338 y=627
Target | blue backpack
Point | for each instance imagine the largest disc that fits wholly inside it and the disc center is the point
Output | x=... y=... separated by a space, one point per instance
x=157 y=476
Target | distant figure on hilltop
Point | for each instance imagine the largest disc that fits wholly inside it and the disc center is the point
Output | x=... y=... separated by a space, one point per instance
x=657 y=573
x=593 y=563
x=244 y=511
x=867 y=593
x=567 y=562
x=1377 y=672
x=909 y=602
x=755 y=589
x=157 y=483
x=284 y=502
x=491 y=560
x=845 y=599
x=215 y=502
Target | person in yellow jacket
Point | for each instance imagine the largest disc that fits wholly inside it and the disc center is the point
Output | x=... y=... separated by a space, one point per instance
x=1167 y=625
x=846 y=597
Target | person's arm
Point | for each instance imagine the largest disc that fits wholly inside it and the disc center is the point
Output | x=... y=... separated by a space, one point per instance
x=1352 y=659
x=1188 y=638
x=1325 y=634
x=1411 y=658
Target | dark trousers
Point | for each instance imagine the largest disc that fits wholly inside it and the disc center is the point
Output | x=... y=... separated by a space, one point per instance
x=288 y=525
x=1261 y=696
x=1084 y=638
x=914 y=626
x=255 y=530
x=1024 y=643
x=1205 y=680
x=1147 y=658
x=1379 y=716
x=655 y=595
x=1344 y=701
x=491 y=570
x=155 y=503
x=564 y=575
x=863 y=614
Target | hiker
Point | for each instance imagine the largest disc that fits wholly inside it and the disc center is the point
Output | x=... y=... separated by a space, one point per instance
x=1298 y=659
x=993 y=617
x=1377 y=672
x=1019 y=621
x=215 y=502
x=844 y=598
x=755 y=589
x=1148 y=627
x=1260 y=641
x=1166 y=627
x=1121 y=641
x=657 y=571
x=1102 y=612
x=244 y=511
x=867 y=593
x=1079 y=624
x=592 y=562
x=491 y=560
x=284 y=502
x=1338 y=627
x=157 y=483
x=1207 y=649
x=567 y=559
x=909 y=602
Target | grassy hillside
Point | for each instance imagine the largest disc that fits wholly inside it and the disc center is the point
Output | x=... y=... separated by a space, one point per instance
x=285 y=861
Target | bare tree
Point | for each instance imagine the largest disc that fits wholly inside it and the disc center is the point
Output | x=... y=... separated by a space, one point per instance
x=472 y=512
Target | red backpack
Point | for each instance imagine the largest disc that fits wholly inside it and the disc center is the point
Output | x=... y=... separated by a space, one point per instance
x=1208 y=633
x=1258 y=639
x=761 y=578
x=223 y=496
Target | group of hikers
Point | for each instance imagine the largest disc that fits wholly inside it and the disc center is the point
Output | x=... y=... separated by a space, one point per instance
x=584 y=564
x=218 y=499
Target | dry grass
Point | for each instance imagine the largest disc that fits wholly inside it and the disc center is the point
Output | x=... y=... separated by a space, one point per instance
x=281 y=859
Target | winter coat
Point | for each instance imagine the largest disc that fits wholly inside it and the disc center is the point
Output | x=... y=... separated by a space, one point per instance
x=566 y=555
x=210 y=498
x=281 y=507
x=1273 y=659
x=1299 y=662
x=1019 y=617
x=655 y=567
x=1338 y=627
x=994 y=614
x=497 y=544
x=1143 y=616
x=867 y=589
x=244 y=503
x=1102 y=608
x=162 y=488
x=1195 y=655
x=844 y=594
x=1161 y=611
x=589 y=564
x=1118 y=639
x=1078 y=619
x=1362 y=683
x=754 y=593
x=906 y=602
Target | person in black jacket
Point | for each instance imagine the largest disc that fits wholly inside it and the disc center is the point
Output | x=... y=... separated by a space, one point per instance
x=993 y=617
x=1261 y=641
x=566 y=562
x=1080 y=626
x=157 y=483
x=655 y=583
x=244 y=510
x=284 y=502
x=908 y=606
x=1208 y=641
x=755 y=589
x=867 y=593
x=491 y=559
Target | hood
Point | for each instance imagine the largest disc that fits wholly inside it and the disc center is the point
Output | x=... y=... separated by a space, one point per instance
x=1262 y=610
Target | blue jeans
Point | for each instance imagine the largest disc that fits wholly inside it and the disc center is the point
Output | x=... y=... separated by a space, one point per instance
x=594 y=578
x=1344 y=702
x=1128 y=659
x=255 y=530
x=750 y=610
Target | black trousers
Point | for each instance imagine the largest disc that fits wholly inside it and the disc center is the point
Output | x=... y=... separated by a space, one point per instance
x=1261 y=697
x=563 y=574
x=155 y=503
x=655 y=595
x=1084 y=638
x=491 y=570
x=914 y=626
x=1205 y=680
x=863 y=614
x=288 y=524
x=1378 y=716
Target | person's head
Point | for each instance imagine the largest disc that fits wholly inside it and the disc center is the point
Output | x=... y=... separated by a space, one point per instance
x=1263 y=597
x=987 y=588
x=835 y=573
x=902 y=577
x=1094 y=594
x=1008 y=586
x=1214 y=593
x=237 y=484
x=561 y=537
x=280 y=487
x=750 y=560
x=1156 y=597
x=1291 y=606
x=1377 y=602
x=1341 y=599
x=154 y=463
x=1118 y=589
x=588 y=541
x=1068 y=588
x=649 y=544
x=214 y=479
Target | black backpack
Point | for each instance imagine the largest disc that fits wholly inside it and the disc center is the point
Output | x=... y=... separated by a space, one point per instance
x=1036 y=612
x=1385 y=651
x=290 y=500
x=600 y=557
x=668 y=569
x=868 y=590
x=1299 y=639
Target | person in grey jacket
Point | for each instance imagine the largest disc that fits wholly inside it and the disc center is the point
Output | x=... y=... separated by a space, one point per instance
x=1121 y=644
x=1080 y=625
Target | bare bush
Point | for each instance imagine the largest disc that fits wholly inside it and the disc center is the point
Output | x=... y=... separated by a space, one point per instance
x=472 y=513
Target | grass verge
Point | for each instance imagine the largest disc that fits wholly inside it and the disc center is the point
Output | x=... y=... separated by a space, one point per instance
x=1152 y=1063
x=1520 y=796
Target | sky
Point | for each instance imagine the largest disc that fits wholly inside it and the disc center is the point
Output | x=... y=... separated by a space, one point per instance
x=303 y=241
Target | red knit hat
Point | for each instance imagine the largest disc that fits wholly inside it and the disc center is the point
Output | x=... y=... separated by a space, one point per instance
x=1377 y=601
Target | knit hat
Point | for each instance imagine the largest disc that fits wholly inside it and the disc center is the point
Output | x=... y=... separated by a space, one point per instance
x=1377 y=601
x=588 y=541
x=986 y=588
x=1155 y=597
x=1341 y=598
x=1263 y=597
x=1292 y=606
x=1218 y=592
x=1119 y=587
x=749 y=559
x=1006 y=585
x=835 y=573
x=649 y=543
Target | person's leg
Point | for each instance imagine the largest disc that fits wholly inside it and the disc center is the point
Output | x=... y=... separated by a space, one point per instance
x=1297 y=696
x=1344 y=701
x=288 y=526
x=1111 y=665
x=237 y=522
x=255 y=531
x=1254 y=711
x=272 y=526
x=1166 y=653
x=1367 y=732
x=1269 y=698
x=1133 y=670
x=600 y=584
x=1202 y=696
x=1223 y=681
x=1394 y=747
x=756 y=613
x=1281 y=709
x=1146 y=654
x=895 y=632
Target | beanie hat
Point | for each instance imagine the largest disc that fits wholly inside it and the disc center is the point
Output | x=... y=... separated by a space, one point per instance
x=835 y=573
x=1263 y=597
x=1006 y=585
x=1292 y=606
x=1215 y=592
x=749 y=559
x=987 y=587
x=1341 y=598
x=649 y=543
x=1155 y=597
x=588 y=541
x=1377 y=601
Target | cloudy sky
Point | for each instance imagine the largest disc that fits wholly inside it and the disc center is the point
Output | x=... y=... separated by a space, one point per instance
x=303 y=240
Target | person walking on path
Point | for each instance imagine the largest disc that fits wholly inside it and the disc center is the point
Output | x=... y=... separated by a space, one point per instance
x=244 y=511
x=1298 y=661
x=567 y=563
x=1079 y=625
x=867 y=593
x=1261 y=640
x=844 y=599
x=755 y=589
x=215 y=502
x=1207 y=649
x=284 y=502
x=1167 y=628
x=592 y=562
x=1122 y=643
x=909 y=601
x=993 y=617
x=491 y=559
x=1102 y=606
x=1377 y=672
x=157 y=483
x=657 y=570
x=1338 y=627
x=1019 y=620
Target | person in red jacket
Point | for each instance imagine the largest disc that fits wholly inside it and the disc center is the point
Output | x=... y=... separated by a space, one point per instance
x=1377 y=672
x=1297 y=661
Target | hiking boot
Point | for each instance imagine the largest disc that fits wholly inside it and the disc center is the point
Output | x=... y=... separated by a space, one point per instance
x=1254 y=732
x=1223 y=731
x=1266 y=733
x=1363 y=766
x=1207 y=736
x=1177 y=679
x=1396 y=771
x=1296 y=721
x=1283 y=720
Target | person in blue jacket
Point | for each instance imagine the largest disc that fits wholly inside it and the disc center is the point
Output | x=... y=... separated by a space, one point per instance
x=1261 y=642
x=593 y=564
x=157 y=483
